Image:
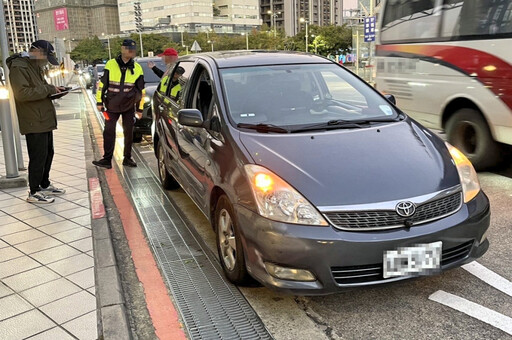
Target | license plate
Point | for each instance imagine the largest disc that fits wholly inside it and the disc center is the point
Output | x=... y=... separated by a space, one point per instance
x=421 y=259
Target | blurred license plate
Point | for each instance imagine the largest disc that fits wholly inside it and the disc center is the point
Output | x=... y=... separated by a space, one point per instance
x=421 y=259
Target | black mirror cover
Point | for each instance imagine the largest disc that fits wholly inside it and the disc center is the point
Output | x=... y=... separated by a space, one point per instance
x=190 y=117
x=390 y=98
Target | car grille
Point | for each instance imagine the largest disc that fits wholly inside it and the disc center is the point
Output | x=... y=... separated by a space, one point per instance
x=386 y=219
x=374 y=272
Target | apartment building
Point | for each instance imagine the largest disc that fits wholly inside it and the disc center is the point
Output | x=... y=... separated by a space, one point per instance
x=287 y=14
x=20 y=24
x=74 y=20
x=223 y=16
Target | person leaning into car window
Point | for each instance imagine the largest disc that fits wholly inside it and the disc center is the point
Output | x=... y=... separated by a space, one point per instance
x=121 y=89
x=175 y=82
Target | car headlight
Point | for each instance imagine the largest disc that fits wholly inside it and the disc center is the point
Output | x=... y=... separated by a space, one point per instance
x=279 y=201
x=467 y=174
x=147 y=99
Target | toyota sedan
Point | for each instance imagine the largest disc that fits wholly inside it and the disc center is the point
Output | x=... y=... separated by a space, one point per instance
x=313 y=181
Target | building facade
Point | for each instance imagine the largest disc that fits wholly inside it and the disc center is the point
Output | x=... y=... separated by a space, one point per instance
x=222 y=16
x=66 y=22
x=286 y=14
x=20 y=24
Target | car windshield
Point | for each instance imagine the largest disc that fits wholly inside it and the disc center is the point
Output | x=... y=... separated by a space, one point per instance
x=149 y=75
x=296 y=96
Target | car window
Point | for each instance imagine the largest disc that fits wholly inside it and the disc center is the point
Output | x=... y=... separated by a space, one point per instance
x=175 y=85
x=288 y=95
x=149 y=76
x=203 y=93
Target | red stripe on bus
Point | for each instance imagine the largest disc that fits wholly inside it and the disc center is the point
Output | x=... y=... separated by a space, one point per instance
x=493 y=72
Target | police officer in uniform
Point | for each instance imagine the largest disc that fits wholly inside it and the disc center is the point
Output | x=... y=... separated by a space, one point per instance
x=120 y=93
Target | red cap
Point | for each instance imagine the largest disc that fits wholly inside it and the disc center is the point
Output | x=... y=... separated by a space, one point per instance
x=169 y=51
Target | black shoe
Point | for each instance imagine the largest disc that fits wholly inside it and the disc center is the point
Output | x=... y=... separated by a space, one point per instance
x=103 y=163
x=129 y=162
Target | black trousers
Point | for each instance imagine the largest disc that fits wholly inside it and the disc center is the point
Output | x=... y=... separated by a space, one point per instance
x=40 y=157
x=109 y=134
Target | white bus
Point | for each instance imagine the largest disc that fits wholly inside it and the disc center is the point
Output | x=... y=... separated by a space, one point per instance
x=449 y=65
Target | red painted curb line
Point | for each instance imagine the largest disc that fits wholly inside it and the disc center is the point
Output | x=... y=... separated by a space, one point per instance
x=161 y=308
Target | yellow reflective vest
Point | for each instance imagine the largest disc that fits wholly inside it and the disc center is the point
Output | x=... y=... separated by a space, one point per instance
x=121 y=88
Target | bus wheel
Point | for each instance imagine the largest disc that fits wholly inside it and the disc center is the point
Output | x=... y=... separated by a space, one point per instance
x=468 y=131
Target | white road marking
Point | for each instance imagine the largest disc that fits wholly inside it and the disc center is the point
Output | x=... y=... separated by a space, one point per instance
x=147 y=151
x=474 y=310
x=489 y=277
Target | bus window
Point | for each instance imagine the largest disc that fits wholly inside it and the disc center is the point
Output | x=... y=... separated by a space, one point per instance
x=465 y=18
x=410 y=20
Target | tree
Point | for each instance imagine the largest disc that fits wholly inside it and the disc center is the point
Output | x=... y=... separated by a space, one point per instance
x=90 y=50
x=151 y=42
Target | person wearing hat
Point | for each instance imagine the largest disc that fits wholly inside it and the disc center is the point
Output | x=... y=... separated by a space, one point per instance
x=169 y=57
x=36 y=115
x=120 y=93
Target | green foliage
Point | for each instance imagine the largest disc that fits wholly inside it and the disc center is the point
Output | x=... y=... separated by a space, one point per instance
x=90 y=50
x=151 y=42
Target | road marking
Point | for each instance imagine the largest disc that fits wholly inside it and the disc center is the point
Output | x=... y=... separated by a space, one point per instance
x=474 y=310
x=489 y=277
x=148 y=151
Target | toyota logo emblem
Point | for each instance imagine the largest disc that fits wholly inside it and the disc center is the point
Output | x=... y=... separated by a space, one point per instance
x=405 y=209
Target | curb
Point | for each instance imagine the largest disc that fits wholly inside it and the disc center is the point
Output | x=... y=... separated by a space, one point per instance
x=112 y=318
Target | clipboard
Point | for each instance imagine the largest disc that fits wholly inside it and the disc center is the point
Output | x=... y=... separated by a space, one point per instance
x=63 y=93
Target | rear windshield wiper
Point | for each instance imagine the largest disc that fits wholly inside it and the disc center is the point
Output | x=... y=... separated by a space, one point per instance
x=261 y=127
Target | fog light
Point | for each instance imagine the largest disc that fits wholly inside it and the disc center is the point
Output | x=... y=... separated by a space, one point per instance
x=289 y=273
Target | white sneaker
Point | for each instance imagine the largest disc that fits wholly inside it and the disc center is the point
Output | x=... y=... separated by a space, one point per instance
x=52 y=191
x=39 y=198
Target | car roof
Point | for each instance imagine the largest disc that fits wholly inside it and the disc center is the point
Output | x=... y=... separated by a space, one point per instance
x=226 y=59
x=139 y=59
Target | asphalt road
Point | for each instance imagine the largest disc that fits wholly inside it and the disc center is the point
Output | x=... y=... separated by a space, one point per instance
x=454 y=305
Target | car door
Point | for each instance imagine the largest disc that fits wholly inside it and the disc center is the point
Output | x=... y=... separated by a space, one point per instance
x=196 y=140
x=166 y=107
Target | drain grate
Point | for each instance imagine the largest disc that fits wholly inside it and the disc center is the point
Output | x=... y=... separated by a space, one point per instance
x=210 y=307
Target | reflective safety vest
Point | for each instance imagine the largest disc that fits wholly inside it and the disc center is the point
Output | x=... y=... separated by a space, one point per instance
x=175 y=91
x=121 y=94
x=164 y=83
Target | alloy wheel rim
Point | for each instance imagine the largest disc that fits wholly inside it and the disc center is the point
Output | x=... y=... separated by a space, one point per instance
x=227 y=240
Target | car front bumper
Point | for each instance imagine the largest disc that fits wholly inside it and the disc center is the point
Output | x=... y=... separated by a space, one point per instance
x=322 y=250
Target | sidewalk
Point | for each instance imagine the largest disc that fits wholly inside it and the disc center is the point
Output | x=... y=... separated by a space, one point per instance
x=47 y=280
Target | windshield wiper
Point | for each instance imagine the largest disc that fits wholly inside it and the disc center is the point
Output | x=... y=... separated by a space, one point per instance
x=261 y=127
x=343 y=124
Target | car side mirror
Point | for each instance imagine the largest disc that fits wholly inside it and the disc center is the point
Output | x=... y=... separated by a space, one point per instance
x=390 y=98
x=190 y=117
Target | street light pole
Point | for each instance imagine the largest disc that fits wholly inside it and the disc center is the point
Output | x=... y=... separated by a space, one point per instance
x=246 y=40
x=306 y=21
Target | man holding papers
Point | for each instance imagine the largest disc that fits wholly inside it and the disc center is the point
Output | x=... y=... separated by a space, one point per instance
x=36 y=115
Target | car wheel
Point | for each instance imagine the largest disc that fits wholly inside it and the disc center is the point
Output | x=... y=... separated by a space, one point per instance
x=168 y=182
x=468 y=131
x=229 y=244
x=137 y=137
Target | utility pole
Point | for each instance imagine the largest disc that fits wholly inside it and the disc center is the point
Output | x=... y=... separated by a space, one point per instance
x=138 y=24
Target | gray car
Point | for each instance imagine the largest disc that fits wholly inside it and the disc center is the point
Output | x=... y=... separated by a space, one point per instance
x=313 y=181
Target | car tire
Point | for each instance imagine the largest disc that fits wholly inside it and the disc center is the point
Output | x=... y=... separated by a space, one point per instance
x=167 y=180
x=229 y=243
x=137 y=137
x=468 y=131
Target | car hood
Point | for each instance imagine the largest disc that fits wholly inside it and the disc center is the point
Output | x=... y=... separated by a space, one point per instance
x=150 y=89
x=394 y=161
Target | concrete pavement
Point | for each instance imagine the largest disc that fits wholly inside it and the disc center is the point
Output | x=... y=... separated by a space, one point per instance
x=49 y=288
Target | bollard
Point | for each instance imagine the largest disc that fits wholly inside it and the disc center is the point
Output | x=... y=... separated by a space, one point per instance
x=11 y=167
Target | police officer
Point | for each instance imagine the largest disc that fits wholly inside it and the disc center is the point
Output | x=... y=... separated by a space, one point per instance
x=174 y=84
x=120 y=93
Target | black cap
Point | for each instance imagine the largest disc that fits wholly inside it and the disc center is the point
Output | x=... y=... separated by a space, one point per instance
x=180 y=70
x=48 y=49
x=131 y=44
